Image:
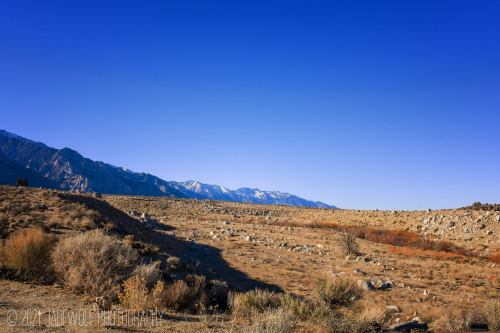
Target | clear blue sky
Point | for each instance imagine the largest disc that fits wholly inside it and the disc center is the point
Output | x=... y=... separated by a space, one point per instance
x=361 y=104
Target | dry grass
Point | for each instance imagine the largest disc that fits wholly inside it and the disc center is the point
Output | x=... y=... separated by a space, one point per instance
x=93 y=263
x=337 y=322
x=492 y=314
x=460 y=319
x=273 y=321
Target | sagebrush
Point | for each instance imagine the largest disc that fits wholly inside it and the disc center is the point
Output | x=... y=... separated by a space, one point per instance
x=93 y=263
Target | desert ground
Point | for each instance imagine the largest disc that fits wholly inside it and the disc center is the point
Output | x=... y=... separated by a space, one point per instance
x=279 y=249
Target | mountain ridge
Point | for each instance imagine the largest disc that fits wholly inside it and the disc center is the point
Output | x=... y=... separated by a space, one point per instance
x=68 y=170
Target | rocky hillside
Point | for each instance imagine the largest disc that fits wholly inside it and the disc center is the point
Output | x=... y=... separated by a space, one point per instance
x=70 y=171
x=67 y=170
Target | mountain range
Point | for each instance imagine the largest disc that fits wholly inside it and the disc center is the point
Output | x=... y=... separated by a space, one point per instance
x=65 y=169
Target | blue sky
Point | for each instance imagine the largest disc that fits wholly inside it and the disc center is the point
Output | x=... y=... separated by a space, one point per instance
x=361 y=104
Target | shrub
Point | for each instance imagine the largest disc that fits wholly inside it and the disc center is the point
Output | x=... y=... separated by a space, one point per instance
x=21 y=182
x=174 y=262
x=375 y=314
x=93 y=263
x=336 y=292
x=135 y=294
x=87 y=224
x=336 y=322
x=218 y=295
x=492 y=313
x=54 y=222
x=445 y=246
x=274 y=321
x=348 y=244
x=252 y=301
x=28 y=251
x=178 y=296
x=197 y=282
x=150 y=273
x=301 y=308
x=495 y=258
x=426 y=244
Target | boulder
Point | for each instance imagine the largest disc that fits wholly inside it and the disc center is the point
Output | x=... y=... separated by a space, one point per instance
x=103 y=303
x=365 y=285
x=145 y=216
x=409 y=325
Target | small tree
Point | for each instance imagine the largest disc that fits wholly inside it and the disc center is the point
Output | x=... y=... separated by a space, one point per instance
x=21 y=182
x=349 y=244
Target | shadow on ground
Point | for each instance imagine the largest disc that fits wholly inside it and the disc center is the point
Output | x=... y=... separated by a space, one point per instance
x=206 y=260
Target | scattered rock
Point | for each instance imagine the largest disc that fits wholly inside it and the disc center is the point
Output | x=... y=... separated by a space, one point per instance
x=383 y=286
x=145 y=216
x=103 y=303
x=426 y=292
x=393 y=308
x=320 y=246
x=390 y=283
x=248 y=238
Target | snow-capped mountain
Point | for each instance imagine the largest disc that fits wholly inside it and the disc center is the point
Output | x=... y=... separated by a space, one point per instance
x=66 y=169
x=199 y=190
